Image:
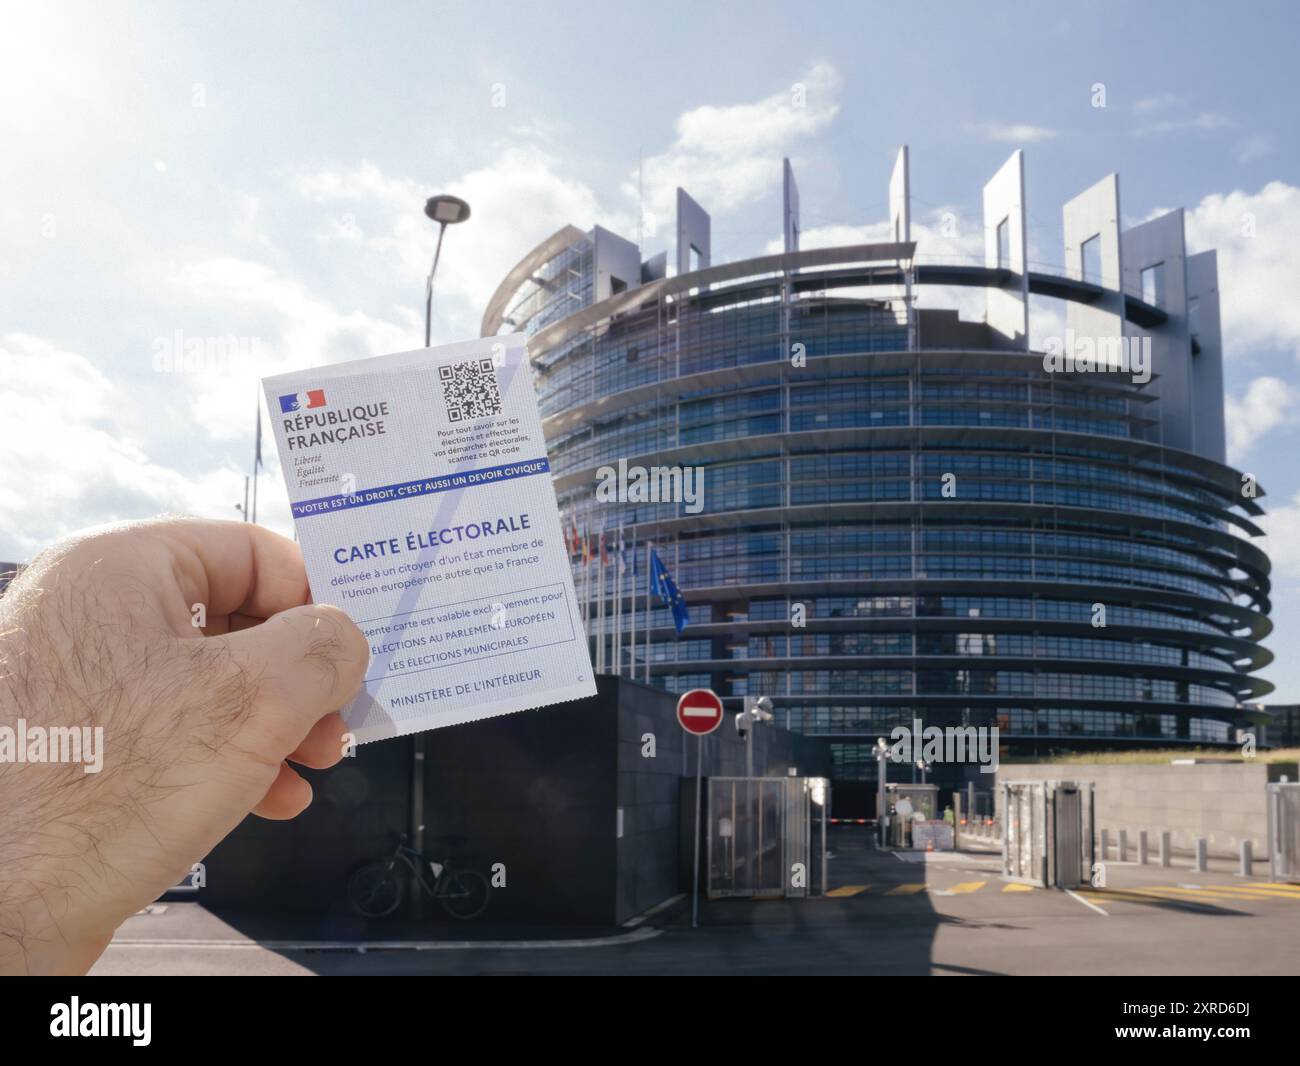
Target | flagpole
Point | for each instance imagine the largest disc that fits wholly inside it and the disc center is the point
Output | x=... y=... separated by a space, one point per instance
x=631 y=648
x=607 y=655
x=257 y=452
x=618 y=605
x=600 y=602
x=255 y=490
x=586 y=583
x=618 y=611
x=568 y=554
x=649 y=547
x=598 y=618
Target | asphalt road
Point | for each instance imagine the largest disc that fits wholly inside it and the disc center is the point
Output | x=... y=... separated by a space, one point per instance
x=888 y=914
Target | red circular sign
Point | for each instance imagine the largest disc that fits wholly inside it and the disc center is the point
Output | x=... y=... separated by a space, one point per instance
x=699 y=711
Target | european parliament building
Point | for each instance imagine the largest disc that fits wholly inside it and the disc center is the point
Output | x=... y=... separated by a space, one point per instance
x=907 y=511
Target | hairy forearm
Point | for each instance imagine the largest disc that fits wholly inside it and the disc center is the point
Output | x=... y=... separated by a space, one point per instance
x=190 y=730
x=43 y=881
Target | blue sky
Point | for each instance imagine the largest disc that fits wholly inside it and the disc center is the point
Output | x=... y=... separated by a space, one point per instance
x=174 y=173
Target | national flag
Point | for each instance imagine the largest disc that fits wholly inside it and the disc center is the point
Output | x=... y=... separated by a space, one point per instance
x=663 y=586
x=301 y=401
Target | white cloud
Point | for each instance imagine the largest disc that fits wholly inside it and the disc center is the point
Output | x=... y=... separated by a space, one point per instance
x=71 y=460
x=834 y=237
x=1254 y=147
x=1021 y=133
x=1266 y=403
x=1205 y=122
x=276 y=323
x=945 y=234
x=1158 y=102
x=1282 y=542
x=516 y=201
x=1254 y=234
x=246 y=227
x=729 y=156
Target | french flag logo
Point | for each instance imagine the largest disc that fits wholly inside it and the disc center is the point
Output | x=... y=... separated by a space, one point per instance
x=302 y=401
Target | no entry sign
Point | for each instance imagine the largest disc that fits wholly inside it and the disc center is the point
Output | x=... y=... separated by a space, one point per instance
x=699 y=711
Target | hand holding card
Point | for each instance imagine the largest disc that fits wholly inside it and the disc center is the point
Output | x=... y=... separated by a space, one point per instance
x=423 y=501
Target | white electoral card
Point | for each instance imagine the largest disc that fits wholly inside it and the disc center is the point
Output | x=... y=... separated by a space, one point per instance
x=423 y=502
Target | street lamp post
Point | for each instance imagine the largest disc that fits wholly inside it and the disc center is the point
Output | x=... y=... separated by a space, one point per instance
x=446 y=211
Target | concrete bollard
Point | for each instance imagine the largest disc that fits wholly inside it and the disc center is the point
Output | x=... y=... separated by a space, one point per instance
x=1246 y=859
x=1123 y=845
x=1143 y=852
x=1105 y=844
x=1200 y=856
x=1164 y=847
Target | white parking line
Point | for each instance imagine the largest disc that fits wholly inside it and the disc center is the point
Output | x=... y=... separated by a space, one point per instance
x=1086 y=903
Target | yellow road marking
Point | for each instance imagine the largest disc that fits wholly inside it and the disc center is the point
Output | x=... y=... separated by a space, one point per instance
x=1242 y=892
x=1015 y=886
x=1182 y=895
x=1207 y=891
x=967 y=886
x=847 y=890
x=1169 y=890
x=905 y=890
x=1125 y=897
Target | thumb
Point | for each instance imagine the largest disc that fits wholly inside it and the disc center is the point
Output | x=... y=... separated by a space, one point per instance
x=304 y=663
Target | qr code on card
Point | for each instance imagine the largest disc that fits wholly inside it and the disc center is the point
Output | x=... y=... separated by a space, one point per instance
x=470 y=389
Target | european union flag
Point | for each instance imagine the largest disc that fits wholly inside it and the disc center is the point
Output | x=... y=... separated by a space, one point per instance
x=663 y=586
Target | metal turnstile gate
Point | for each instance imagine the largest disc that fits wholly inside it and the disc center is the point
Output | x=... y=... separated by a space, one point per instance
x=767 y=836
x=1047 y=833
x=1284 y=830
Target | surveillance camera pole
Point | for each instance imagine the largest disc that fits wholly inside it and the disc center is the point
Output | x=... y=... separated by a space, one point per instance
x=882 y=756
x=757 y=709
x=749 y=735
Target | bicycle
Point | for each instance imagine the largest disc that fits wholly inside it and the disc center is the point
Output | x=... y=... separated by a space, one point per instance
x=376 y=889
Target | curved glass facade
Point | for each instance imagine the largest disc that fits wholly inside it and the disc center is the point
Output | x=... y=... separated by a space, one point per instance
x=888 y=530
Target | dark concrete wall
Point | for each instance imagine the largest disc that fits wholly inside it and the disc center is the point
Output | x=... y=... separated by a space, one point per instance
x=536 y=792
x=304 y=864
x=539 y=792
